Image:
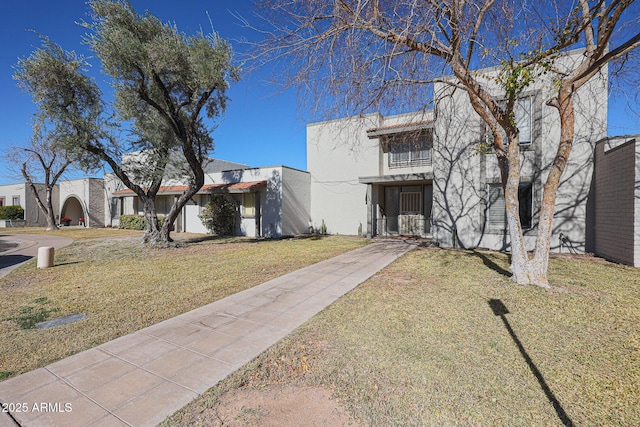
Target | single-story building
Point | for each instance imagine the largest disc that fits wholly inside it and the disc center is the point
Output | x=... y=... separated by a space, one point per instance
x=271 y=201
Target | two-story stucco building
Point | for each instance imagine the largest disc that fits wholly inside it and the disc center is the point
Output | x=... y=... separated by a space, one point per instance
x=428 y=173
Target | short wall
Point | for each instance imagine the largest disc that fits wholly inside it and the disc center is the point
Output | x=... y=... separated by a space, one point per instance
x=12 y=223
x=616 y=215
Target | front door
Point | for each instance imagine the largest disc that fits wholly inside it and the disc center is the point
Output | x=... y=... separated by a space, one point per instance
x=411 y=219
x=391 y=209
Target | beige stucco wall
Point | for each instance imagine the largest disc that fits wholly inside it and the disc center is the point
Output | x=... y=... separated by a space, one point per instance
x=338 y=153
x=112 y=203
x=461 y=175
x=10 y=190
x=90 y=194
x=32 y=214
x=296 y=201
x=284 y=201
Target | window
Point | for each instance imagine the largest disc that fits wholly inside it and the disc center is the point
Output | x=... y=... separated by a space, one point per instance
x=1 y=201
x=15 y=201
x=523 y=116
x=522 y=113
x=249 y=204
x=410 y=151
x=496 y=210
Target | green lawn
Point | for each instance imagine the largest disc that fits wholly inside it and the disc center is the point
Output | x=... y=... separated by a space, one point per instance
x=419 y=345
x=124 y=288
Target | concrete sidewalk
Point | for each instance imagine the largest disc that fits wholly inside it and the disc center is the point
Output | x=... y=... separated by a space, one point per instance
x=141 y=378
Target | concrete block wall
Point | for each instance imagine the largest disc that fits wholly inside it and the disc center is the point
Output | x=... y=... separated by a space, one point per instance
x=616 y=178
x=96 y=206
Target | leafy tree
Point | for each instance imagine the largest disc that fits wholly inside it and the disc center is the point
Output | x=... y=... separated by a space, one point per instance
x=165 y=83
x=359 y=54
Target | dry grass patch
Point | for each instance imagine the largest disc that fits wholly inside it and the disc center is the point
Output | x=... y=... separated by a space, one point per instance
x=125 y=288
x=75 y=233
x=419 y=345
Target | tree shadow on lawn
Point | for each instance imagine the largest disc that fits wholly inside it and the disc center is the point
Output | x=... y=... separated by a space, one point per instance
x=499 y=309
x=241 y=239
x=490 y=263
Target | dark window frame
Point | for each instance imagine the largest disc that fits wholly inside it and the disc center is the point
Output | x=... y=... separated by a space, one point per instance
x=496 y=207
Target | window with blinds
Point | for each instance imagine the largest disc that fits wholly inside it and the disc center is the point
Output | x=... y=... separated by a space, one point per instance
x=523 y=116
x=496 y=209
x=411 y=151
x=523 y=119
x=496 y=213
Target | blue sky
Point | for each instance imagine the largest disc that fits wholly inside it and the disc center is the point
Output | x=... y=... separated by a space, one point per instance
x=262 y=127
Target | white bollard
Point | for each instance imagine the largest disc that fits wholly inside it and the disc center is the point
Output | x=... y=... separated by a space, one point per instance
x=45 y=257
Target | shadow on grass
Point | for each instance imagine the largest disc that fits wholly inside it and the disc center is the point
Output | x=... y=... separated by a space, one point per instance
x=239 y=239
x=499 y=309
x=491 y=264
x=11 y=260
x=60 y=264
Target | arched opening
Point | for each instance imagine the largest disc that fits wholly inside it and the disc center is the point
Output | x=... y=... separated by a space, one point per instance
x=72 y=208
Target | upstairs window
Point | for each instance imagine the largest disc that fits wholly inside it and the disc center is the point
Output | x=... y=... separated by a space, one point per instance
x=523 y=119
x=496 y=209
x=523 y=116
x=411 y=150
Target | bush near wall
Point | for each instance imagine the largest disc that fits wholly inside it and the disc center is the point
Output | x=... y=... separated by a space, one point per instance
x=219 y=216
x=11 y=212
x=136 y=222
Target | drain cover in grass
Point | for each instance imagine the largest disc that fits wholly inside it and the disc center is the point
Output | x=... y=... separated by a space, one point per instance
x=60 y=321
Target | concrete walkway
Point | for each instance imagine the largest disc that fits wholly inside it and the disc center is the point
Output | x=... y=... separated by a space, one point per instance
x=27 y=248
x=141 y=378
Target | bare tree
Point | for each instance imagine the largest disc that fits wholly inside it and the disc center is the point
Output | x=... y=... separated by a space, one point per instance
x=41 y=162
x=357 y=55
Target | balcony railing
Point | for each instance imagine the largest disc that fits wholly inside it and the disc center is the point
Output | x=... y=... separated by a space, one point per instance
x=410 y=158
x=411 y=225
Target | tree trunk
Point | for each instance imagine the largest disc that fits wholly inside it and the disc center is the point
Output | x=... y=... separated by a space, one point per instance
x=520 y=263
x=540 y=260
x=191 y=191
x=534 y=271
x=153 y=236
x=50 y=214
x=48 y=209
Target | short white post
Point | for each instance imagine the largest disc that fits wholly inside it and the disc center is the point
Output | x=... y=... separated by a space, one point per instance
x=45 y=257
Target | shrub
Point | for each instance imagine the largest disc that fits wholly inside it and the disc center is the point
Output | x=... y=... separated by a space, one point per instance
x=132 y=222
x=11 y=212
x=136 y=222
x=219 y=216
